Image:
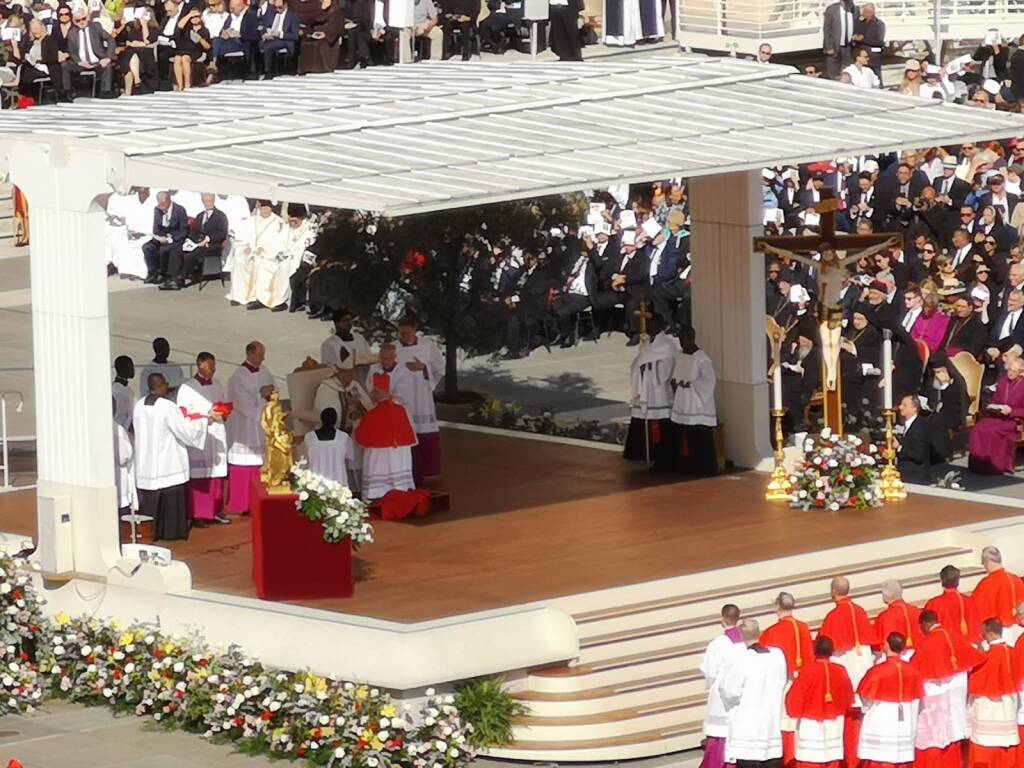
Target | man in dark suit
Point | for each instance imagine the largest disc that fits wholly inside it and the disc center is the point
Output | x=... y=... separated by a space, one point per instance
x=579 y=287
x=801 y=375
x=896 y=195
x=950 y=188
x=527 y=306
x=90 y=49
x=837 y=31
x=170 y=225
x=670 y=290
x=1005 y=333
x=240 y=35
x=210 y=230
x=997 y=196
x=966 y=332
x=280 y=37
x=915 y=450
x=459 y=15
x=626 y=281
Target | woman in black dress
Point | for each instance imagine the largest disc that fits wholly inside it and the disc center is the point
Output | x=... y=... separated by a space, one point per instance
x=135 y=42
x=192 y=50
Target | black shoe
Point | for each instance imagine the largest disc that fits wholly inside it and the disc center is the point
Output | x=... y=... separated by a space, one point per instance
x=200 y=524
x=511 y=356
x=221 y=519
x=297 y=308
x=254 y=305
x=235 y=303
x=151 y=280
x=633 y=341
x=279 y=308
x=592 y=336
x=567 y=344
x=169 y=286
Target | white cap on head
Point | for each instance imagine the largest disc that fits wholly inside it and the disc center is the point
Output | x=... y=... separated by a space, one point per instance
x=347 y=364
x=651 y=228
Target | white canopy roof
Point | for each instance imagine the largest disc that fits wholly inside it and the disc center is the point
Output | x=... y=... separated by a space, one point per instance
x=439 y=135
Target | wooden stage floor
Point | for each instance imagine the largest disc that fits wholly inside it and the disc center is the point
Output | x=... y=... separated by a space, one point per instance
x=533 y=520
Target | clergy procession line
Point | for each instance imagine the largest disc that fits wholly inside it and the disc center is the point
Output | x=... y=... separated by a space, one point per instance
x=938 y=687
x=187 y=455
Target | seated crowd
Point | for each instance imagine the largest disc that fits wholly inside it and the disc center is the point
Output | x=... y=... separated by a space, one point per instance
x=937 y=685
x=144 y=46
x=950 y=294
x=189 y=448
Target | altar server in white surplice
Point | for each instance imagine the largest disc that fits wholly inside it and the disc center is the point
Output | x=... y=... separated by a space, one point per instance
x=690 y=445
x=163 y=435
x=261 y=239
x=346 y=338
x=422 y=359
x=248 y=391
x=651 y=395
x=121 y=389
x=329 y=451
x=208 y=466
x=124 y=470
x=718 y=656
x=752 y=692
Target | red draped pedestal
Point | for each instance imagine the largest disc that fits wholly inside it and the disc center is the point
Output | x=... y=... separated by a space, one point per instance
x=290 y=559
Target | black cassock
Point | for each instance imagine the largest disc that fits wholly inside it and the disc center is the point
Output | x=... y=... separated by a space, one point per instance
x=169 y=509
x=564 y=32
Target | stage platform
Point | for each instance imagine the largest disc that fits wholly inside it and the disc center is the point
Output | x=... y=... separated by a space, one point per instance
x=533 y=520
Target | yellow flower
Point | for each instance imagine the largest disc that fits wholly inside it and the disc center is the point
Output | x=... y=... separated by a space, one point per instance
x=126 y=638
x=315 y=684
x=62 y=619
x=154 y=676
x=388 y=710
x=376 y=743
x=362 y=693
x=114 y=625
x=169 y=648
x=277 y=733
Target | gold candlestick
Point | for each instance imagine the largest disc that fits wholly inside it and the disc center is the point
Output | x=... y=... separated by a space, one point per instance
x=892 y=484
x=779 y=488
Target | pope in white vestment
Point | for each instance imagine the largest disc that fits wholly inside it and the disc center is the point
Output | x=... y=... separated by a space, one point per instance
x=163 y=435
x=752 y=692
x=258 y=256
x=248 y=391
x=208 y=466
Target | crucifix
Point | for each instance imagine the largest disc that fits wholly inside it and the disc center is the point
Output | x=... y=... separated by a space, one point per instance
x=836 y=251
x=643 y=316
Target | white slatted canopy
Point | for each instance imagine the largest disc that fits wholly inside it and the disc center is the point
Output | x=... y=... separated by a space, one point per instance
x=406 y=139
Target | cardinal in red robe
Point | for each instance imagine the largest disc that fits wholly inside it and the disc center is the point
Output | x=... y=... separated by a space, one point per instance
x=943 y=658
x=793 y=638
x=999 y=592
x=899 y=616
x=956 y=611
x=818 y=701
x=992 y=704
x=891 y=694
x=386 y=437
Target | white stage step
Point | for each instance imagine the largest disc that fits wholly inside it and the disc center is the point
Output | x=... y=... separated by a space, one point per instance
x=636 y=689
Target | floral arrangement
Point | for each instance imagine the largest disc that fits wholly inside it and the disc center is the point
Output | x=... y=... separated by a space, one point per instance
x=223 y=695
x=331 y=504
x=836 y=472
x=494 y=413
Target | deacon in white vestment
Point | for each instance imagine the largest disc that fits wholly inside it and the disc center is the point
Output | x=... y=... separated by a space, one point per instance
x=121 y=390
x=752 y=691
x=237 y=209
x=690 y=445
x=425 y=363
x=329 y=451
x=124 y=470
x=129 y=227
x=651 y=397
x=719 y=655
x=163 y=435
x=248 y=391
x=346 y=338
x=208 y=466
x=258 y=253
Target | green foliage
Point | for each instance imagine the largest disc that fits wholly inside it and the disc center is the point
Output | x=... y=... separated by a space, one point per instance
x=494 y=413
x=490 y=709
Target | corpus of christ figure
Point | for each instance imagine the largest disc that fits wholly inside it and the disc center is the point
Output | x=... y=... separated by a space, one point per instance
x=836 y=251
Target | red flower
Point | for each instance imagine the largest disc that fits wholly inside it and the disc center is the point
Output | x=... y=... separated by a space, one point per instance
x=16 y=594
x=317 y=734
x=300 y=751
x=158 y=654
x=203 y=662
x=238 y=722
x=117 y=674
x=267 y=715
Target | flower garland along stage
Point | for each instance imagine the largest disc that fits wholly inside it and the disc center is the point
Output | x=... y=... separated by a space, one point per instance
x=836 y=472
x=223 y=695
x=332 y=504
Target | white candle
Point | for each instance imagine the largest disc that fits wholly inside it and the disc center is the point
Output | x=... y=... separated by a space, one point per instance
x=887 y=368
x=777 y=387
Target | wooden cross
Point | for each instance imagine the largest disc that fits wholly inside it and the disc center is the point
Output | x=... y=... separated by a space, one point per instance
x=643 y=316
x=831 y=267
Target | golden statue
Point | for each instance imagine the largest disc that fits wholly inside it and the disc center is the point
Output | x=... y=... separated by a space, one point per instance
x=277 y=457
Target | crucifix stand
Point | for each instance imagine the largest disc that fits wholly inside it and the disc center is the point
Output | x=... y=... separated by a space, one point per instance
x=836 y=252
x=643 y=316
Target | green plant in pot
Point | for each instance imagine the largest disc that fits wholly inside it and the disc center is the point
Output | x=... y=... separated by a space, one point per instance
x=491 y=710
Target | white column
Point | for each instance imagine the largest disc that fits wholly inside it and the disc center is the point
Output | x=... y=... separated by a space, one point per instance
x=728 y=306
x=77 y=507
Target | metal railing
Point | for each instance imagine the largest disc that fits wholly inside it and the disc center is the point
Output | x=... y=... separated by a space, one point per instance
x=740 y=26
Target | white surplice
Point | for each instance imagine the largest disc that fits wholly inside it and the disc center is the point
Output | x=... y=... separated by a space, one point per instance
x=330 y=349
x=212 y=459
x=856 y=661
x=386 y=469
x=273 y=266
x=172 y=372
x=330 y=458
x=993 y=722
x=124 y=469
x=124 y=404
x=942 y=716
x=258 y=251
x=720 y=653
x=885 y=736
x=416 y=391
x=694 y=405
x=125 y=241
x=819 y=741
x=246 y=440
x=752 y=691
x=162 y=438
x=237 y=209
x=651 y=379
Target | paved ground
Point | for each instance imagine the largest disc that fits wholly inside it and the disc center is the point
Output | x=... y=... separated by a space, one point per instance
x=71 y=736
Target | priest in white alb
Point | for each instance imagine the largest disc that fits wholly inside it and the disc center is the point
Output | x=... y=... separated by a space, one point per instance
x=208 y=466
x=752 y=692
x=238 y=211
x=262 y=239
x=273 y=265
x=650 y=403
x=163 y=435
x=425 y=364
x=249 y=388
x=690 y=444
x=124 y=469
x=718 y=656
x=129 y=226
x=890 y=695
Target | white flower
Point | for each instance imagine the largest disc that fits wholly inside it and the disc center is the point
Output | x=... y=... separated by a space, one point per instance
x=86 y=650
x=440 y=745
x=181 y=686
x=383 y=735
x=274 y=706
x=118 y=656
x=107 y=693
x=324 y=720
x=339 y=753
x=429 y=692
x=453 y=752
x=8 y=681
